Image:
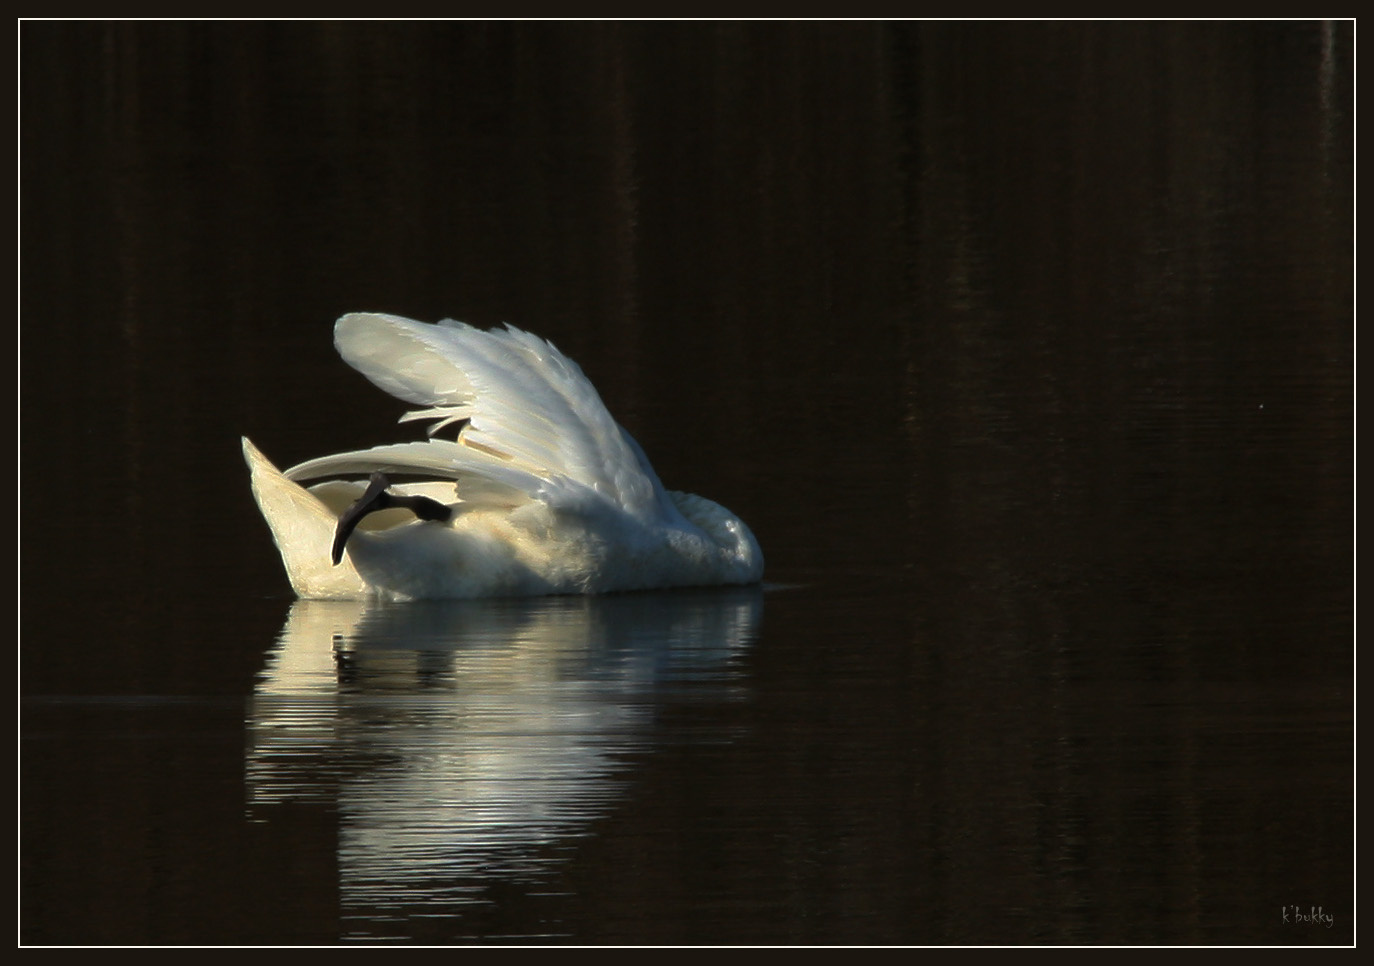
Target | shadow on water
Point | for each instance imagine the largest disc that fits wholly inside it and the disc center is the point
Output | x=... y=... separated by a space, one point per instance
x=468 y=745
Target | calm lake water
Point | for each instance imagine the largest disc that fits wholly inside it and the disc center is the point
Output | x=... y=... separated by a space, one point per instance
x=1025 y=349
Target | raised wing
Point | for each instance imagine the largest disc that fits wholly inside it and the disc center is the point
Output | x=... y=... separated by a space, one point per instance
x=536 y=426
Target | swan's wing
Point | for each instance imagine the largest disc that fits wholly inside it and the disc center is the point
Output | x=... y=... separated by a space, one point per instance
x=536 y=425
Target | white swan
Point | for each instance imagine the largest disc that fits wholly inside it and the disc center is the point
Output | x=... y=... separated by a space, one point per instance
x=539 y=491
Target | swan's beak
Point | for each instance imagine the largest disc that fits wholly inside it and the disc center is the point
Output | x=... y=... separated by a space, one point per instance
x=376 y=497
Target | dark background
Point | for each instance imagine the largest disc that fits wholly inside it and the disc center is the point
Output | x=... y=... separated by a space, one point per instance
x=1025 y=349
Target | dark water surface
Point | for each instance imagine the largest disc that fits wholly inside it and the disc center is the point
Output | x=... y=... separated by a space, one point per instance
x=1026 y=350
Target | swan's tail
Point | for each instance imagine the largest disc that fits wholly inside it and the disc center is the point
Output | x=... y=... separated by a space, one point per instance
x=303 y=528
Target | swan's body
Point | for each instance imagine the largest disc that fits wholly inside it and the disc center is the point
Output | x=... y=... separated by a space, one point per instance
x=547 y=493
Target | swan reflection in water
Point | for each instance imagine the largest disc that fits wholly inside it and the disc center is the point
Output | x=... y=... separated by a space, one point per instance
x=466 y=741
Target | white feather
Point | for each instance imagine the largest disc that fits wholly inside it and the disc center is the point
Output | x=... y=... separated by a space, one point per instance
x=549 y=494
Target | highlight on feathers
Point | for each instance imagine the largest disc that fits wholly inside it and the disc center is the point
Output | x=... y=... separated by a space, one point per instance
x=533 y=488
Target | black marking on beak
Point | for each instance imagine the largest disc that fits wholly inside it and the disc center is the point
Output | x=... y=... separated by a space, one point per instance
x=375 y=498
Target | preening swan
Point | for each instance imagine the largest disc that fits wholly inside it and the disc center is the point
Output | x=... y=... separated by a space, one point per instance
x=532 y=489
